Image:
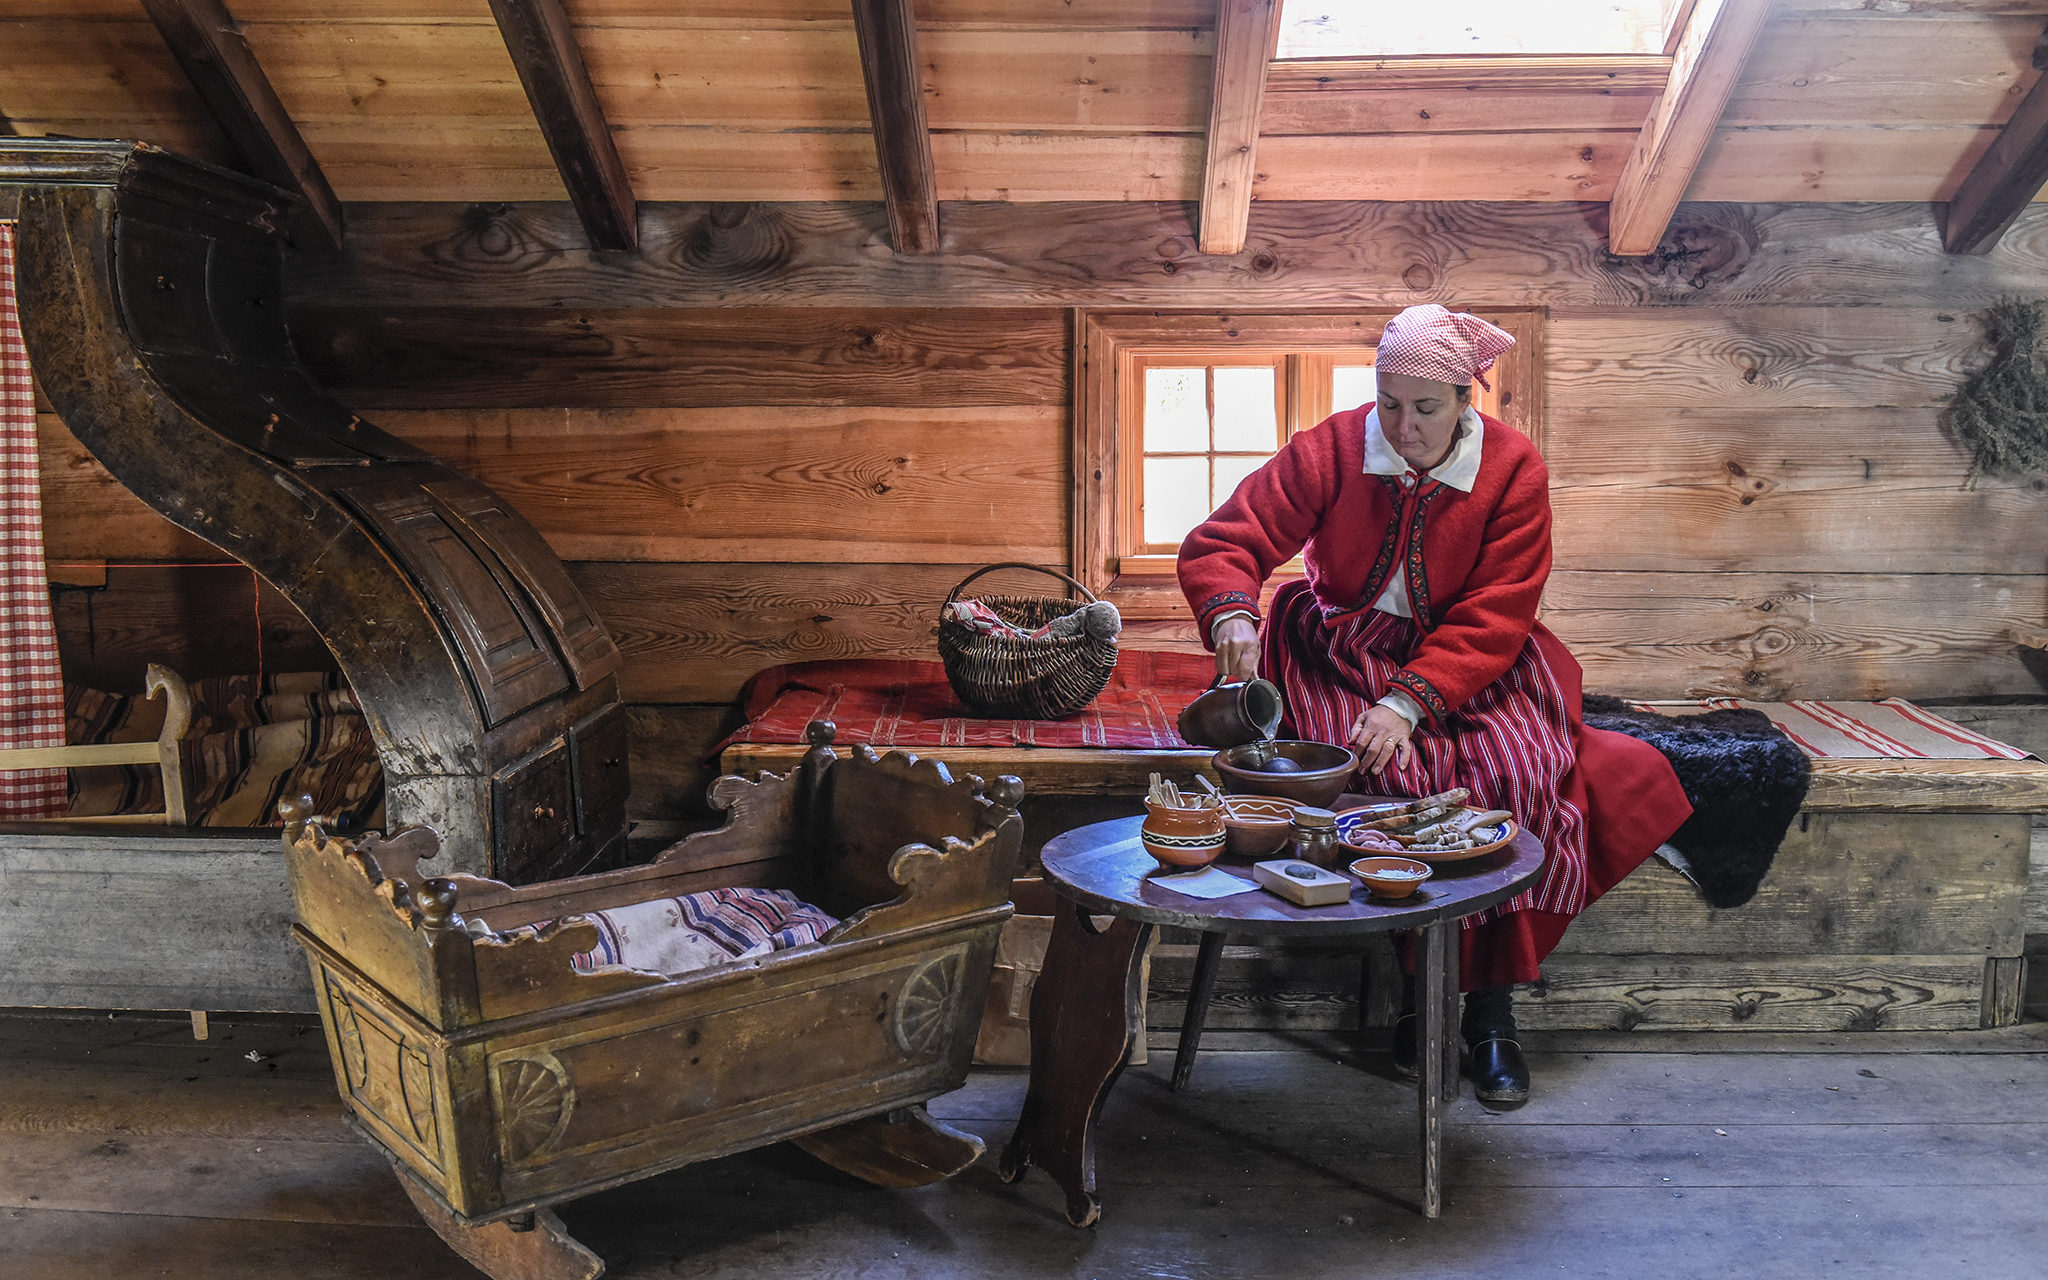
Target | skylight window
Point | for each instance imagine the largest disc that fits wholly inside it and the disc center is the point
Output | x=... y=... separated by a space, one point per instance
x=1381 y=28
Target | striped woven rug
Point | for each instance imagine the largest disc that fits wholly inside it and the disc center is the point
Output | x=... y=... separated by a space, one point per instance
x=1891 y=729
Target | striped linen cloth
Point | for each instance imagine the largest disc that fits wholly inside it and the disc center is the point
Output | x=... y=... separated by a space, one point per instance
x=1889 y=729
x=31 y=681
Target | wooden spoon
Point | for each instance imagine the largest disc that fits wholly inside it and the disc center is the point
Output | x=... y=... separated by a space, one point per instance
x=1221 y=801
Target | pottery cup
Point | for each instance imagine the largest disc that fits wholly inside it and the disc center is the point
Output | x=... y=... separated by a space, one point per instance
x=1182 y=837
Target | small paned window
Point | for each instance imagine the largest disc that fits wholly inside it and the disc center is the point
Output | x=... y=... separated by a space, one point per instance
x=1174 y=411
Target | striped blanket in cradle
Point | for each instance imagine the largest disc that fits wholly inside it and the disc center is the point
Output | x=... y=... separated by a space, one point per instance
x=700 y=930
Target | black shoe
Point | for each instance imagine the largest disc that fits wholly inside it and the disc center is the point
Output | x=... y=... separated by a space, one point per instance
x=1500 y=1074
x=1405 y=1052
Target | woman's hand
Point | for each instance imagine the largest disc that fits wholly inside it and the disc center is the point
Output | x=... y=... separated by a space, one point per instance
x=1381 y=736
x=1237 y=649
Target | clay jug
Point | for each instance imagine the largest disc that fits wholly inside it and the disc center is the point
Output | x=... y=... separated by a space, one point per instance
x=1232 y=714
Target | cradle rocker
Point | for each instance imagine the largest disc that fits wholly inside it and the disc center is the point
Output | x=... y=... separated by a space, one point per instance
x=500 y=1080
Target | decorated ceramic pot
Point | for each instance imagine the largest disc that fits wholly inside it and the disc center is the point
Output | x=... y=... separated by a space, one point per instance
x=1182 y=837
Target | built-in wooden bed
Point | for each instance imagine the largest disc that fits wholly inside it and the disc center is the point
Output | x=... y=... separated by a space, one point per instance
x=151 y=297
x=174 y=786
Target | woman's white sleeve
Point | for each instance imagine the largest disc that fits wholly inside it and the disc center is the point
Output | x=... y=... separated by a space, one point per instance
x=1404 y=707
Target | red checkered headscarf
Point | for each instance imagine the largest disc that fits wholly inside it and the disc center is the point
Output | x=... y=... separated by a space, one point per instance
x=1441 y=345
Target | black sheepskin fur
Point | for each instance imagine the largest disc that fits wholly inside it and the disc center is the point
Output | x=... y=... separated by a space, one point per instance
x=1746 y=781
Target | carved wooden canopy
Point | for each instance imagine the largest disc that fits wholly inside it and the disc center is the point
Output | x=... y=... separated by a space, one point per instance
x=151 y=292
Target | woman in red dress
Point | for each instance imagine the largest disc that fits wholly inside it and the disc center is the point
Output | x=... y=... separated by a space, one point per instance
x=1425 y=528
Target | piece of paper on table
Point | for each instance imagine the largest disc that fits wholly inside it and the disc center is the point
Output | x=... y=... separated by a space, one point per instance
x=1206 y=883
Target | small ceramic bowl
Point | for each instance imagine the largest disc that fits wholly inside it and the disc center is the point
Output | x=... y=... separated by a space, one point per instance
x=1391 y=877
x=1256 y=826
x=1320 y=775
x=1182 y=837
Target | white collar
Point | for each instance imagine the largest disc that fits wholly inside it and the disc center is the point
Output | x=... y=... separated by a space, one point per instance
x=1460 y=470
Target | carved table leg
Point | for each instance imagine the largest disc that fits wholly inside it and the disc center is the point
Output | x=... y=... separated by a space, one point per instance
x=543 y=1251
x=1207 y=960
x=902 y=1148
x=1436 y=958
x=1083 y=1018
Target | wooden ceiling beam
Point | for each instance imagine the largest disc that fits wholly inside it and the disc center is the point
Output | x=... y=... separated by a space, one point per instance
x=2007 y=178
x=887 y=30
x=1677 y=13
x=1633 y=73
x=1247 y=34
x=1708 y=60
x=207 y=43
x=550 y=65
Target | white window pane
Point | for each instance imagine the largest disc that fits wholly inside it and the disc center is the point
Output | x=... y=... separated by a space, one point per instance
x=1341 y=29
x=1230 y=472
x=1176 y=497
x=1244 y=409
x=1352 y=385
x=1176 y=411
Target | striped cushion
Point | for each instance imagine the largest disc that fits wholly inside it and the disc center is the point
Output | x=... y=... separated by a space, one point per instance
x=253 y=741
x=1888 y=729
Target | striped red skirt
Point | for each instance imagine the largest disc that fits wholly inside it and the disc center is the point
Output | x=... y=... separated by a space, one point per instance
x=1518 y=744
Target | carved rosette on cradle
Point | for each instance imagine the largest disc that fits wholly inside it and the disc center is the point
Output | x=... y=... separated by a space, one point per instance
x=501 y=1080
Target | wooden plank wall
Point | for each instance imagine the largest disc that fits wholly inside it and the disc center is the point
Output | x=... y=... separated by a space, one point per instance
x=767 y=440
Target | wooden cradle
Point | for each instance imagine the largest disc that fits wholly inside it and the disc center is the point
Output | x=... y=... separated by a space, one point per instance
x=500 y=1081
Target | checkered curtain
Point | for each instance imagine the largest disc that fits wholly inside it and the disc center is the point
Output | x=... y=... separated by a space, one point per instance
x=31 y=683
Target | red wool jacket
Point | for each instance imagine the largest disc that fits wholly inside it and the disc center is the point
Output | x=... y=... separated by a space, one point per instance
x=1475 y=562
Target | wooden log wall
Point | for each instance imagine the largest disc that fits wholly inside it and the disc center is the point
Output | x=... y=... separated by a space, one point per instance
x=765 y=438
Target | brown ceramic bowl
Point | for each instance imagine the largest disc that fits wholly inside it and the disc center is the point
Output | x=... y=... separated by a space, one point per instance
x=1256 y=826
x=1391 y=877
x=1323 y=771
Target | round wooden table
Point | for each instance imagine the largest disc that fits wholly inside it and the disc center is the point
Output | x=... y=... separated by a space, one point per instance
x=1084 y=1009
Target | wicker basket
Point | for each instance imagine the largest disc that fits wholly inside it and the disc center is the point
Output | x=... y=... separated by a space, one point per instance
x=1011 y=678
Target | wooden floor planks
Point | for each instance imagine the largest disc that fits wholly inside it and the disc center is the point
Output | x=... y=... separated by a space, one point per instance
x=127 y=1149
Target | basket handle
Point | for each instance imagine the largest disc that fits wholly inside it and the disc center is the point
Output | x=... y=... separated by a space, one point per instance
x=1017 y=564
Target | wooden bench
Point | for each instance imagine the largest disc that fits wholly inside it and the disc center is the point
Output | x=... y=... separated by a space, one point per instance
x=167 y=753
x=1896 y=903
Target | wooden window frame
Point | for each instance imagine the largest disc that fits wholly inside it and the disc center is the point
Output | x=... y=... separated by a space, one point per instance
x=1111 y=346
x=1130 y=533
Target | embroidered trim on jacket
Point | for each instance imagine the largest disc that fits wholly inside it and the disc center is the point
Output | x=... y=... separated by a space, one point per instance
x=1424 y=693
x=1226 y=600
x=1418 y=571
x=1376 y=581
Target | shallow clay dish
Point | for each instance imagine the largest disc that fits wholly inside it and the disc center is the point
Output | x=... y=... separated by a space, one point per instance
x=1256 y=827
x=1348 y=824
x=1507 y=832
x=1383 y=875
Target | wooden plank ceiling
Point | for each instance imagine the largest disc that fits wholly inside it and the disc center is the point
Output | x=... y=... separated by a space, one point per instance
x=1033 y=100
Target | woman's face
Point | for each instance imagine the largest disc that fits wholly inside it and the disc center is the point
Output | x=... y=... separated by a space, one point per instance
x=1420 y=417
